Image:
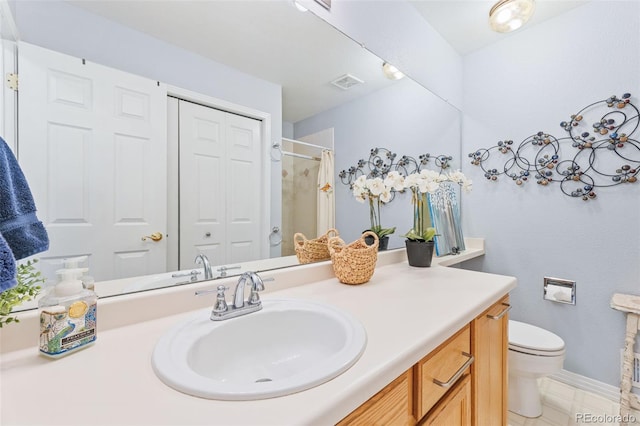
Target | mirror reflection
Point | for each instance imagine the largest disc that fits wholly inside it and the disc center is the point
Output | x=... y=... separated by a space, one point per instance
x=214 y=121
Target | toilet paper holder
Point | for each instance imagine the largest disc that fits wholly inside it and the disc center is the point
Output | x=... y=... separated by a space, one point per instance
x=559 y=290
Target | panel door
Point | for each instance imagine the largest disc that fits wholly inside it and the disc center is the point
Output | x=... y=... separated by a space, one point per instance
x=93 y=147
x=454 y=409
x=220 y=174
x=203 y=181
x=244 y=210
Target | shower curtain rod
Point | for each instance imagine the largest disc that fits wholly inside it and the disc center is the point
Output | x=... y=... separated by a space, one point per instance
x=305 y=143
x=295 y=154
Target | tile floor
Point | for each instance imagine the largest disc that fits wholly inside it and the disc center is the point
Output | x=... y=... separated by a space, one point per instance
x=564 y=405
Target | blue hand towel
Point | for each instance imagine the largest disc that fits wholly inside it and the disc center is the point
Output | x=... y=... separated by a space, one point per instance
x=7 y=266
x=19 y=226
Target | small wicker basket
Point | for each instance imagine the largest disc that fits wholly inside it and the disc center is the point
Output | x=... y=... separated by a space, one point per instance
x=354 y=263
x=309 y=251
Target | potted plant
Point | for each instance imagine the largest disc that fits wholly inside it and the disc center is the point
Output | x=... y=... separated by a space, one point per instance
x=28 y=287
x=419 y=240
x=377 y=192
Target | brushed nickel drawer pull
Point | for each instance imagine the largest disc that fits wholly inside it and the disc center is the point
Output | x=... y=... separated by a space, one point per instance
x=456 y=376
x=501 y=314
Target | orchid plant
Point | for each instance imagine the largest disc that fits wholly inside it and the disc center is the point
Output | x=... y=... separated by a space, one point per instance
x=421 y=184
x=377 y=191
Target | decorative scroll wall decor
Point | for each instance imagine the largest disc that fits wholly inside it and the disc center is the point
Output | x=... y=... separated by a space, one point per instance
x=381 y=161
x=604 y=151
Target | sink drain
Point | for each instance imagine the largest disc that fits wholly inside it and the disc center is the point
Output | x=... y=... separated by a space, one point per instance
x=266 y=379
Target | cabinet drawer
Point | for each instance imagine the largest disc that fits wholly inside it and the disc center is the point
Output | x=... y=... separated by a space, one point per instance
x=442 y=365
x=390 y=406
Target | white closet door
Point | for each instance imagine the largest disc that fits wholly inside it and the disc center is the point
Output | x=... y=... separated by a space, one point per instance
x=220 y=179
x=203 y=179
x=244 y=209
x=92 y=143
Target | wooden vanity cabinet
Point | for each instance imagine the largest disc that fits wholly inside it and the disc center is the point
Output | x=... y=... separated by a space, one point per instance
x=489 y=374
x=471 y=368
x=391 y=406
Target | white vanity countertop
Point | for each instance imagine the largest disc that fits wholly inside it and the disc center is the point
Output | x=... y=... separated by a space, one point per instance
x=406 y=311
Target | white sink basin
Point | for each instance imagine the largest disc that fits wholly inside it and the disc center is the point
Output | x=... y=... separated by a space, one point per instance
x=288 y=346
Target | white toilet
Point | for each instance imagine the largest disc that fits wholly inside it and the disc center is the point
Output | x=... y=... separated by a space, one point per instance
x=533 y=353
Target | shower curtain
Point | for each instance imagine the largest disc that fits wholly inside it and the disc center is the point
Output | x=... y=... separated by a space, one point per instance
x=326 y=216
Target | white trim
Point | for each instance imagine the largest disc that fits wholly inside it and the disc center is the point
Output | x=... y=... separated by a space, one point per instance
x=9 y=105
x=587 y=384
x=265 y=144
x=8 y=25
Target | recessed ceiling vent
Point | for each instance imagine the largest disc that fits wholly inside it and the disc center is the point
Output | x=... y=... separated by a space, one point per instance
x=346 y=81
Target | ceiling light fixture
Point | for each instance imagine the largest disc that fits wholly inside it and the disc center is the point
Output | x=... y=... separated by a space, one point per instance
x=298 y=6
x=509 y=15
x=391 y=72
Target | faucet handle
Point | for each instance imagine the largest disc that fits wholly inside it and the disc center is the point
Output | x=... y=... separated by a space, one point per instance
x=257 y=284
x=223 y=269
x=221 y=303
x=193 y=274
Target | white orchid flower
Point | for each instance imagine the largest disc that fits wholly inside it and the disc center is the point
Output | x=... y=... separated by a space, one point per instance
x=411 y=181
x=394 y=180
x=432 y=175
x=385 y=196
x=360 y=182
x=360 y=194
x=376 y=186
x=467 y=185
x=427 y=185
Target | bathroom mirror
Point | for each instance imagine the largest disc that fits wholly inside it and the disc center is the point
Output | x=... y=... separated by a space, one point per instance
x=295 y=50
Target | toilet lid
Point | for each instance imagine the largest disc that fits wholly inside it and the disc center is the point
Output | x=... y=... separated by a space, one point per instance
x=529 y=337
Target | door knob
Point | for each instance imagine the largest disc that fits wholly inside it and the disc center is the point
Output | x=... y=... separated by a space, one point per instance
x=156 y=236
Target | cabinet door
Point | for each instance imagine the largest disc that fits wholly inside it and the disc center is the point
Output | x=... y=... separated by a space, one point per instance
x=389 y=407
x=489 y=345
x=454 y=409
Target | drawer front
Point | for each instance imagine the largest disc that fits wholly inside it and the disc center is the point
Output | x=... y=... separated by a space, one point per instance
x=437 y=373
x=389 y=407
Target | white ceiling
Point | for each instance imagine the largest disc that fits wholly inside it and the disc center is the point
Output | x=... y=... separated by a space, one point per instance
x=271 y=40
x=465 y=23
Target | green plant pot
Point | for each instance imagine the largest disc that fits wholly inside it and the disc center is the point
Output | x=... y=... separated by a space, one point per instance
x=383 y=242
x=419 y=253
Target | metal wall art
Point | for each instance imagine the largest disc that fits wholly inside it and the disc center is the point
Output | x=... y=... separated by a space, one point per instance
x=604 y=151
x=381 y=161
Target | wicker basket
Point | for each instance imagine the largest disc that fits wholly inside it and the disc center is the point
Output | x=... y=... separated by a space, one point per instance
x=354 y=263
x=309 y=251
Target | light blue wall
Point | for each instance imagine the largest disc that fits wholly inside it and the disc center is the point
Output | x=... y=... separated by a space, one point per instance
x=529 y=82
x=404 y=118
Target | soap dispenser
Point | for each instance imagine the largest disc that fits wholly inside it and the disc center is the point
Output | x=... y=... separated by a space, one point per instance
x=67 y=314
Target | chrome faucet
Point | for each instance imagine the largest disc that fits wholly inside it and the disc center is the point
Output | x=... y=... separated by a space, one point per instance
x=256 y=285
x=204 y=261
x=240 y=306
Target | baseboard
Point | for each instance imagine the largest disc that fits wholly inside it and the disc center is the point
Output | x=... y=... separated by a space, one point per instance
x=587 y=384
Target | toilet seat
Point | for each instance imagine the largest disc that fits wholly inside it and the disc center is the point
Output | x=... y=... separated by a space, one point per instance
x=529 y=339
